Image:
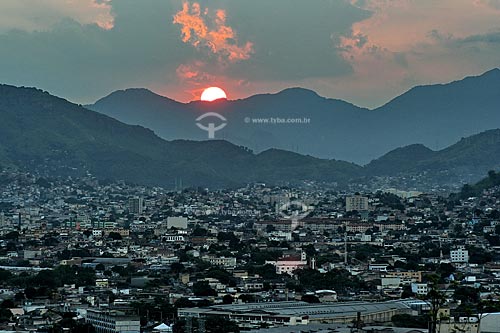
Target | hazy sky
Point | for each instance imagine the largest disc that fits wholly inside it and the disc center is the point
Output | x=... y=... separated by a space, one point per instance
x=363 y=51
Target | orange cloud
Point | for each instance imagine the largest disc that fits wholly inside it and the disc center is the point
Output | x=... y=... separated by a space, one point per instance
x=194 y=73
x=407 y=42
x=186 y=72
x=206 y=31
x=195 y=77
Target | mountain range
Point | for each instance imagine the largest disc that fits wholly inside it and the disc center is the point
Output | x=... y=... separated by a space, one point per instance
x=434 y=115
x=467 y=160
x=48 y=134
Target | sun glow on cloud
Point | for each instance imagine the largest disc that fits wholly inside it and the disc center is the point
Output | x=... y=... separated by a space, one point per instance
x=406 y=42
x=206 y=30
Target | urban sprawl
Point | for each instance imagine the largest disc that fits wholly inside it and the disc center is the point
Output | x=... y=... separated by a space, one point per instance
x=86 y=255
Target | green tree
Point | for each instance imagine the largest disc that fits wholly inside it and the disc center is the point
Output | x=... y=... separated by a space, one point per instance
x=309 y=298
x=200 y=232
x=222 y=275
x=212 y=325
x=202 y=288
x=177 y=268
x=221 y=325
x=267 y=271
x=13 y=235
x=5 y=315
x=71 y=325
x=248 y=298
x=184 y=303
x=406 y=320
x=115 y=236
x=8 y=303
x=5 y=275
x=227 y=299
x=467 y=295
x=309 y=250
x=436 y=299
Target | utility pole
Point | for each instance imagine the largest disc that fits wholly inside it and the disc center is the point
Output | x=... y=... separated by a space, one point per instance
x=201 y=325
x=345 y=245
x=189 y=325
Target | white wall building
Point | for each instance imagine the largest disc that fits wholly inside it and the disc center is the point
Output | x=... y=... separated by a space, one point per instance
x=289 y=264
x=459 y=255
x=113 y=321
x=221 y=261
x=173 y=238
x=177 y=222
x=420 y=288
x=356 y=202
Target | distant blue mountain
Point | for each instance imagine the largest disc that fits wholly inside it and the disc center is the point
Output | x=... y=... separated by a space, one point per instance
x=53 y=136
x=434 y=115
x=471 y=157
x=47 y=134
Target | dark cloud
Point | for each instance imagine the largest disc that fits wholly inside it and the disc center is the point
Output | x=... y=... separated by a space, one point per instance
x=289 y=40
x=294 y=39
x=333 y=46
x=83 y=62
x=490 y=38
x=439 y=36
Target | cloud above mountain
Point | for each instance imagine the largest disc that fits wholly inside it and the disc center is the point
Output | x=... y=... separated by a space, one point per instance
x=208 y=31
x=365 y=51
x=28 y=15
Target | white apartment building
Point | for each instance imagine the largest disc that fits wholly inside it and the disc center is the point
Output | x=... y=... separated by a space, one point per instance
x=113 y=321
x=420 y=288
x=177 y=222
x=173 y=238
x=221 y=261
x=356 y=202
x=459 y=255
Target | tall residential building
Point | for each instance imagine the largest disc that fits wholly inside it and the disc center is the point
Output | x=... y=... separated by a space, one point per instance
x=356 y=202
x=136 y=205
x=459 y=255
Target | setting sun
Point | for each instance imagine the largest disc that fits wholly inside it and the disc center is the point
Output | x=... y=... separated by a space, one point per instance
x=213 y=93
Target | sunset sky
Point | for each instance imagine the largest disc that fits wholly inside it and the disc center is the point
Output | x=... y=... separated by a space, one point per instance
x=363 y=51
